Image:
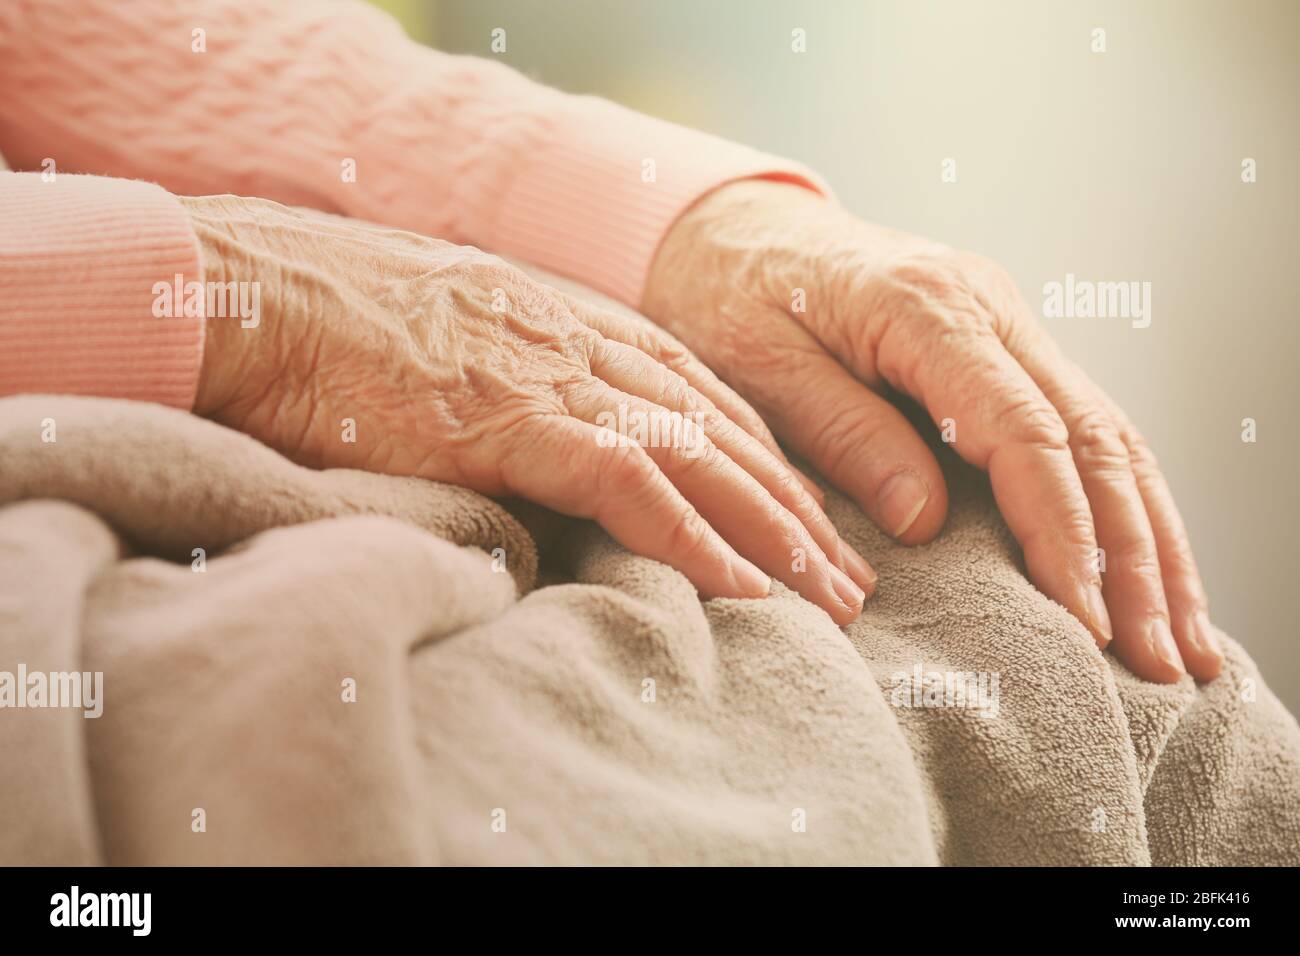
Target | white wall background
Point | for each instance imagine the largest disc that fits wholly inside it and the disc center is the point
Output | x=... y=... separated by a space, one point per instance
x=1122 y=165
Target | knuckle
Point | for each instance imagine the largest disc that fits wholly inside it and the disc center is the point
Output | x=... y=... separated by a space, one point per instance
x=788 y=488
x=703 y=456
x=749 y=420
x=1097 y=443
x=961 y=292
x=1136 y=556
x=672 y=391
x=933 y=272
x=840 y=435
x=1076 y=530
x=689 y=534
x=777 y=475
x=992 y=277
x=743 y=420
x=716 y=426
x=1140 y=453
x=812 y=523
x=488 y=272
x=665 y=349
x=1179 y=565
x=1035 y=422
x=950 y=288
x=571 y=341
x=623 y=472
x=513 y=294
x=794 y=502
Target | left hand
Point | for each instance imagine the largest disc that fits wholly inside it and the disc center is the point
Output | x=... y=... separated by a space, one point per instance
x=883 y=309
x=384 y=350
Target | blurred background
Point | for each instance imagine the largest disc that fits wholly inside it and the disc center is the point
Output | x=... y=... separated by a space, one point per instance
x=1117 y=166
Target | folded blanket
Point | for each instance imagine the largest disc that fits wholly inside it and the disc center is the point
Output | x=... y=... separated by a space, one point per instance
x=357 y=668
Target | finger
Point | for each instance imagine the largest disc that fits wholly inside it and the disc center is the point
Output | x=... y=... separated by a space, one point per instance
x=730 y=499
x=633 y=371
x=1198 y=639
x=668 y=351
x=864 y=445
x=1129 y=563
x=960 y=370
x=571 y=467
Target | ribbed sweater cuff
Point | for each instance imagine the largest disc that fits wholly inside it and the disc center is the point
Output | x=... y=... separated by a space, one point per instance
x=79 y=257
x=596 y=201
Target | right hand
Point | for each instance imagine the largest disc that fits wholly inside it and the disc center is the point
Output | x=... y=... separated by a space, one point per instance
x=881 y=311
x=457 y=367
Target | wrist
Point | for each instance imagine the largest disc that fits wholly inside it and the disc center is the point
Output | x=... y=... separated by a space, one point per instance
x=214 y=391
x=232 y=301
x=722 y=237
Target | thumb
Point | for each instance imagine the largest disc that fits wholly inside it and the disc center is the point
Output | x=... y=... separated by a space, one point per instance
x=862 y=443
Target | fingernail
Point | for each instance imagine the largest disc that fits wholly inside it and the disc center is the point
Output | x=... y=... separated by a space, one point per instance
x=849 y=593
x=900 y=502
x=752 y=582
x=1162 y=642
x=1098 y=616
x=862 y=573
x=1204 y=637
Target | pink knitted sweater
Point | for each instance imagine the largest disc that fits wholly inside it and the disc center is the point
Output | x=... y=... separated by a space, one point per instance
x=318 y=104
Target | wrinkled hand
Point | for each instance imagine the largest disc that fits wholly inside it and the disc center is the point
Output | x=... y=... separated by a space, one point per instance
x=810 y=313
x=452 y=365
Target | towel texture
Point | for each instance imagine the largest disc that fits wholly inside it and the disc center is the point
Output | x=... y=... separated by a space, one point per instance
x=362 y=669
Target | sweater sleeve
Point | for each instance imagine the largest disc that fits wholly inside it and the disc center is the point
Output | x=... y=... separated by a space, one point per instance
x=329 y=105
x=79 y=260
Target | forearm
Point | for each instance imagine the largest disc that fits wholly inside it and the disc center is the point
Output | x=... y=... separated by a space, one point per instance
x=331 y=106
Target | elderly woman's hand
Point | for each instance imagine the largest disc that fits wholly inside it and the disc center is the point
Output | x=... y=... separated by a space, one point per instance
x=387 y=351
x=809 y=313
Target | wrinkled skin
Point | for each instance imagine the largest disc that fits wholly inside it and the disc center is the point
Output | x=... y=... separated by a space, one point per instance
x=455 y=366
x=885 y=310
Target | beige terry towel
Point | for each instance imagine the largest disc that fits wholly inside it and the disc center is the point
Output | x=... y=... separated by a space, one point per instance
x=614 y=719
